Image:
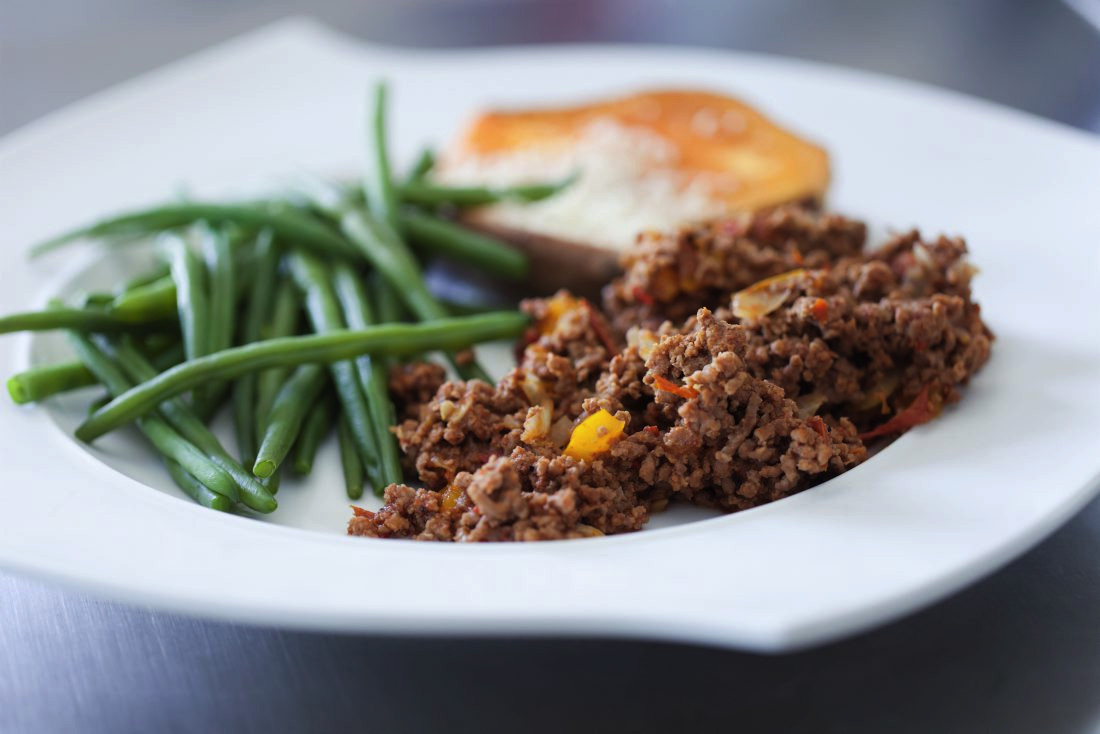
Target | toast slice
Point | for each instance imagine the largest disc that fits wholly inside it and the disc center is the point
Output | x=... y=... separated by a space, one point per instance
x=654 y=160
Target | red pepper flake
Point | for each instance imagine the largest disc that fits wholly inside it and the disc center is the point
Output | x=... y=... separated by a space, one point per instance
x=818 y=425
x=360 y=512
x=668 y=386
x=820 y=310
x=642 y=296
x=796 y=257
x=595 y=318
x=921 y=410
x=651 y=429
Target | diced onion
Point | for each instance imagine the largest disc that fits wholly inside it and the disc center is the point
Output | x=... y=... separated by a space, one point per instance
x=537 y=424
x=760 y=299
x=809 y=404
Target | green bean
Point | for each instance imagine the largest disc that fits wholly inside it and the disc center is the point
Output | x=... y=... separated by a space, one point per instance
x=191 y=300
x=288 y=413
x=457 y=308
x=315 y=281
x=389 y=309
x=183 y=419
x=264 y=273
x=222 y=279
x=159 y=296
x=350 y=462
x=425 y=162
x=442 y=237
x=156 y=344
x=97 y=300
x=273 y=482
x=39 y=383
x=400 y=265
x=290 y=225
x=168 y=357
x=75 y=319
x=317 y=425
x=222 y=284
x=378 y=181
x=386 y=304
x=393 y=259
x=373 y=375
x=284 y=322
x=156 y=299
x=387 y=339
x=160 y=272
x=99 y=403
x=432 y=195
x=166 y=440
x=195 y=489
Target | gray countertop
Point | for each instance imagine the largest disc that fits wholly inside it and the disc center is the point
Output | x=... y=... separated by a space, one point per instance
x=1018 y=652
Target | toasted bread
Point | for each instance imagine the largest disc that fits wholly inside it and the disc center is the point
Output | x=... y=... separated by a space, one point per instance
x=655 y=160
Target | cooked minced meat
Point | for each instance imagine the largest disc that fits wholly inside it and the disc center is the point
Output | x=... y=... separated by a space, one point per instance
x=734 y=443
x=414 y=384
x=668 y=276
x=868 y=335
x=760 y=399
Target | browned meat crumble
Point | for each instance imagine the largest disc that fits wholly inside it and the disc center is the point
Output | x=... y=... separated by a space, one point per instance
x=668 y=276
x=760 y=399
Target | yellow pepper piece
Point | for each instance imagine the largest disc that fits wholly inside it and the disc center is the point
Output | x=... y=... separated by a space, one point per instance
x=594 y=435
x=451 y=495
x=559 y=305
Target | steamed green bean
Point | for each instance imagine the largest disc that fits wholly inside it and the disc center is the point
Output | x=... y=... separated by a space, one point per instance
x=378 y=180
x=424 y=164
x=163 y=437
x=373 y=375
x=192 y=303
x=284 y=322
x=155 y=299
x=183 y=418
x=195 y=489
x=289 y=224
x=423 y=193
x=442 y=237
x=39 y=383
x=288 y=414
x=261 y=294
x=387 y=339
x=350 y=461
x=75 y=319
x=317 y=425
x=315 y=281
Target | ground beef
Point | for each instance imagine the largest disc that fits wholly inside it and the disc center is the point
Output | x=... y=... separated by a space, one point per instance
x=465 y=423
x=668 y=276
x=461 y=427
x=526 y=495
x=763 y=398
x=414 y=384
x=735 y=441
x=571 y=328
x=865 y=337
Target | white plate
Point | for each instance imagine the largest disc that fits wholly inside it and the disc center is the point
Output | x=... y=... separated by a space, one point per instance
x=945 y=504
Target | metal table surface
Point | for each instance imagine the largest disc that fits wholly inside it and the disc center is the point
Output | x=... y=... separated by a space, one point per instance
x=1017 y=652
